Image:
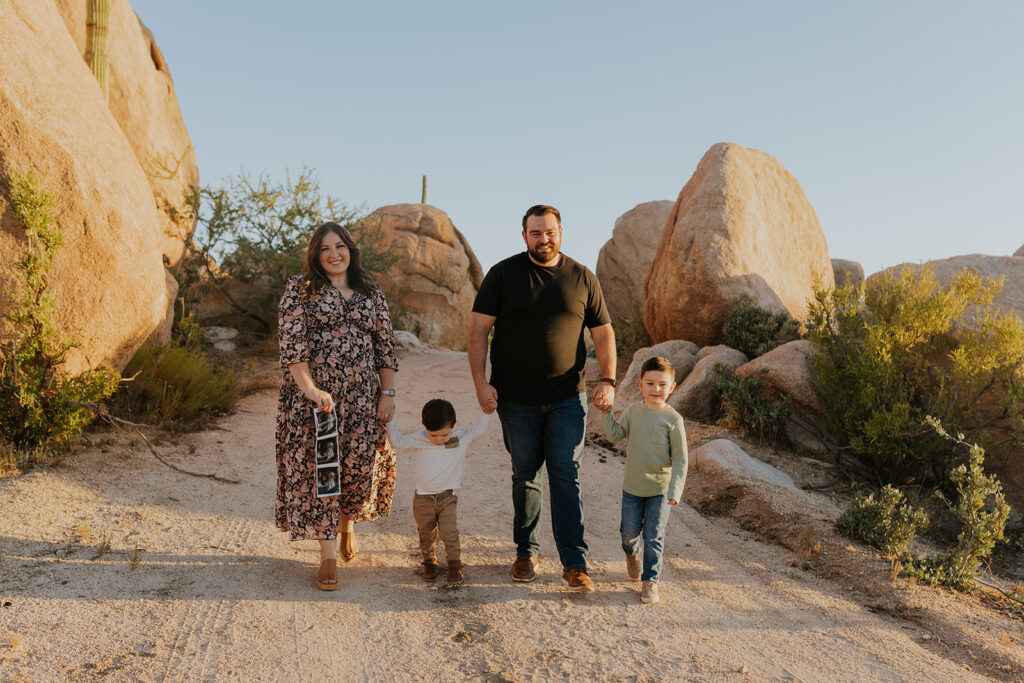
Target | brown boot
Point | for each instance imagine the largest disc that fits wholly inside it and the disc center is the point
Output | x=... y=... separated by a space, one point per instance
x=455 y=575
x=430 y=570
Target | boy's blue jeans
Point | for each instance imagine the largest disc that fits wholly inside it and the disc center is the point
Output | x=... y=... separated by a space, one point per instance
x=646 y=517
x=552 y=435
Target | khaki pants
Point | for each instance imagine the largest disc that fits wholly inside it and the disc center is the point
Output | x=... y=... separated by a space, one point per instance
x=434 y=515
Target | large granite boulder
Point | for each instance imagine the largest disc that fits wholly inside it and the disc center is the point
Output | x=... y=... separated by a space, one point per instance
x=1019 y=252
x=682 y=354
x=108 y=280
x=698 y=397
x=724 y=456
x=624 y=259
x=145 y=106
x=436 y=275
x=787 y=370
x=847 y=272
x=741 y=229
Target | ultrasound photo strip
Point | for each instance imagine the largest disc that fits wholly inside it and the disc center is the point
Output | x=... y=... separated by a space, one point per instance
x=326 y=423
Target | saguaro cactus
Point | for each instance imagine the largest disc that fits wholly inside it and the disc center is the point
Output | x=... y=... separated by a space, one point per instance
x=97 y=28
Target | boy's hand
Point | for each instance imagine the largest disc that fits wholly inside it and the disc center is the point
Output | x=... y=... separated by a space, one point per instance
x=604 y=396
x=673 y=502
x=487 y=397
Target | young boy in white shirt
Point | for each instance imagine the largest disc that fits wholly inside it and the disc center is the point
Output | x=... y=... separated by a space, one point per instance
x=440 y=452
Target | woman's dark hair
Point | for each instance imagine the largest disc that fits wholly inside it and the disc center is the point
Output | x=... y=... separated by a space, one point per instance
x=658 y=364
x=316 y=277
x=438 y=414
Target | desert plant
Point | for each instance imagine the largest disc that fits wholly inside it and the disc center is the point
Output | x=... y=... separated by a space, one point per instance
x=256 y=231
x=173 y=385
x=630 y=335
x=40 y=404
x=887 y=522
x=97 y=30
x=747 y=403
x=755 y=331
x=906 y=346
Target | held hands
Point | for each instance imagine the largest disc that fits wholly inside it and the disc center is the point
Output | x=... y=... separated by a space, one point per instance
x=604 y=396
x=487 y=397
x=386 y=408
x=321 y=398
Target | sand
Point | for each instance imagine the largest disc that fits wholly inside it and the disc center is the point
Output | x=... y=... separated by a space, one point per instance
x=114 y=567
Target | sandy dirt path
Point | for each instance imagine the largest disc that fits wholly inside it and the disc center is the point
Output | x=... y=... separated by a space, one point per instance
x=198 y=585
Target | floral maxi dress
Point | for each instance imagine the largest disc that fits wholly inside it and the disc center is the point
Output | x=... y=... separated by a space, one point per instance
x=345 y=343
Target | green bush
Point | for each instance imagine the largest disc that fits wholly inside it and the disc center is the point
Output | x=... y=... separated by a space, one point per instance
x=901 y=348
x=40 y=405
x=746 y=402
x=175 y=384
x=887 y=522
x=256 y=232
x=755 y=331
x=631 y=335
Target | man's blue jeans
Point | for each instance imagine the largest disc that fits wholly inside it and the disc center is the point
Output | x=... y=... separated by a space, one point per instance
x=647 y=517
x=552 y=435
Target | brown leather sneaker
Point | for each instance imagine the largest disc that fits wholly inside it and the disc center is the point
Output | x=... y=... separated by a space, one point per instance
x=634 y=567
x=577 y=580
x=524 y=569
x=430 y=571
x=455 y=576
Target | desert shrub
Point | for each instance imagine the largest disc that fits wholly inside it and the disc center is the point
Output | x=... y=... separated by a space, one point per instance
x=40 y=404
x=901 y=348
x=886 y=522
x=746 y=402
x=630 y=335
x=176 y=384
x=256 y=231
x=755 y=331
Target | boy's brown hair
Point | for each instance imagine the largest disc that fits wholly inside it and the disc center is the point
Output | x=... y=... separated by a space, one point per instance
x=658 y=364
x=438 y=414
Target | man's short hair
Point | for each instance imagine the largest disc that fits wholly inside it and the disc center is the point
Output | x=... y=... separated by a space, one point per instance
x=658 y=364
x=438 y=414
x=542 y=210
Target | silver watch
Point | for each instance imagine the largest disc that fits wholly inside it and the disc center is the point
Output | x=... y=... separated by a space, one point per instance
x=387 y=392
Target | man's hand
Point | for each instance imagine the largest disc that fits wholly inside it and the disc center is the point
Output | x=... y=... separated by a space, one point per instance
x=487 y=397
x=604 y=396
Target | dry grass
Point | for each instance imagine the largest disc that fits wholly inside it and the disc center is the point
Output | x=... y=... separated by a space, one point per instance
x=810 y=545
x=82 y=531
x=15 y=461
x=103 y=547
x=135 y=557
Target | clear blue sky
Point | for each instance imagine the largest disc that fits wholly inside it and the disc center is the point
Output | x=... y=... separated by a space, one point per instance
x=902 y=121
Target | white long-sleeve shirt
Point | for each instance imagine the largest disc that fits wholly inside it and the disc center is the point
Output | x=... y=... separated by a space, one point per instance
x=438 y=468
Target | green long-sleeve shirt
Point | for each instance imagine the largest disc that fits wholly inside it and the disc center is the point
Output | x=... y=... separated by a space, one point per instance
x=656 y=457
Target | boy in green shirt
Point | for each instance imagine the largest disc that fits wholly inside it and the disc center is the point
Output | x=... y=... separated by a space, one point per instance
x=655 y=471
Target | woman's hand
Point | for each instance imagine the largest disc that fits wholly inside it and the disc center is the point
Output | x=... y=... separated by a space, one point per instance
x=386 y=408
x=321 y=398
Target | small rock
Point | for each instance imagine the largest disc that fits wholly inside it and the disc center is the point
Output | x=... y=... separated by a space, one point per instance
x=743 y=670
x=225 y=346
x=406 y=340
x=926 y=637
x=217 y=334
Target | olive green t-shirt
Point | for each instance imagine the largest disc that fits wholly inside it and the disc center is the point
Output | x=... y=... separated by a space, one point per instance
x=656 y=457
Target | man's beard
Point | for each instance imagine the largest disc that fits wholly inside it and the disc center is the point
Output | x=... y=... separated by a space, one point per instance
x=543 y=258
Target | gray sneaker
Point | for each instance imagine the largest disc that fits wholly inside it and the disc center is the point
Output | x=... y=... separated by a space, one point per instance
x=649 y=593
x=634 y=566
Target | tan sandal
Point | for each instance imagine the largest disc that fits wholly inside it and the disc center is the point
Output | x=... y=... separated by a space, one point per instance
x=327 y=575
x=348 y=546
